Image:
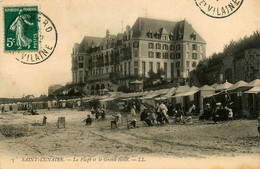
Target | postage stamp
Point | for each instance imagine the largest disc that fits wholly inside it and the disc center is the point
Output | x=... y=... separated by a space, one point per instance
x=218 y=8
x=30 y=33
x=21 y=28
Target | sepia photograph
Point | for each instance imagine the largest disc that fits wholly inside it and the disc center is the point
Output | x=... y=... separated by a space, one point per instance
x=130 y=84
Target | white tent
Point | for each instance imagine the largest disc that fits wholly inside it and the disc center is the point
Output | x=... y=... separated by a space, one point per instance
x=224 y=86
x=190 y=92
x=150 y=94
x=6 y=107
x=256 y=82
x=215 y=85
x=14 y=107
x=49 y=104
x=239 y=84
x=168 y=94
x=1 y=107
x=255 y=89
x=207 y=88
x=205 y=91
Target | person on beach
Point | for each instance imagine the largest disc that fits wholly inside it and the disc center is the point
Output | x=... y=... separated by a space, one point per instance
x=97 y=113
x=229 y=113
x=142 y=107
x=103 y=112
x=92 y=111
x=164 y=110
x=216 y=114
x=118 y=118
x=133 y=111
x=152 y=115
x=88 y=121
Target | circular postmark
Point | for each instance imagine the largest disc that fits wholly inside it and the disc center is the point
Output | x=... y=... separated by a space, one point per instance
x=30 y=34
x=219 y=8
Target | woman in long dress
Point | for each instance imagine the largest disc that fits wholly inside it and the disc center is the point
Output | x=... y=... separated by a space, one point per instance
x=18 y=27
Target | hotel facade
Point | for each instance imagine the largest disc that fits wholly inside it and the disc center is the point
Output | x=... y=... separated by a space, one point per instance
x=150 y=44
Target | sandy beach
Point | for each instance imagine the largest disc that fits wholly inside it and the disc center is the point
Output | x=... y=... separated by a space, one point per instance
x=200 y=140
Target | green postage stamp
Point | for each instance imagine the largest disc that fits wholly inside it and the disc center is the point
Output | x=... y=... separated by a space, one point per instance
x=29 y=34
x=21 y=28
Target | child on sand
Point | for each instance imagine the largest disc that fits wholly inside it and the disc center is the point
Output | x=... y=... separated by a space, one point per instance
x=88 y=121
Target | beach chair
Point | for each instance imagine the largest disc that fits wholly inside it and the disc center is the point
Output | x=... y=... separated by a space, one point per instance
x=61 y=122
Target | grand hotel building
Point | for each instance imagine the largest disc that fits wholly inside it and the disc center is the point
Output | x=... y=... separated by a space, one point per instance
x=150 y=44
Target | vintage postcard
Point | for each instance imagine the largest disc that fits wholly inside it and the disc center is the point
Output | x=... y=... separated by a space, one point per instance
x=130 y=84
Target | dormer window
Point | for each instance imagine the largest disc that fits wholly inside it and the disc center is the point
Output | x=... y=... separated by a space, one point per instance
x=180 y=34
x=171 y=36
x=193 y=36
x=150 y=34
x=157 y=35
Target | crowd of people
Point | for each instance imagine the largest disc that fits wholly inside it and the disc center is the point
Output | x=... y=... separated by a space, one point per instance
x=162 y=113
x=219 y=113
x=99 y=112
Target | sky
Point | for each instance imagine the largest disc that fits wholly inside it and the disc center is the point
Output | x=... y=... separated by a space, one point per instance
x=79 y=18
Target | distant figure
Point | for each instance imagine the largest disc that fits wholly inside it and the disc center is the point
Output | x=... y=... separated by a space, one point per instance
x=97 y=113
x=133 y=111
x=192 y=110
x=92 y=111
x=152 y=116
x=206 y=112
x=143 y=116
x=34 y=112
x=117 y=121
x=216 y=114
x=229 y=113
x=142 y=107
x=118 y=118
x=88 y=121
x=163 y=109
x=44 y=120
x=178 y=116
x=103 y=113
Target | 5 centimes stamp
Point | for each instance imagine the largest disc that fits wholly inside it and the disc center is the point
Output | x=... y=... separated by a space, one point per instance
x=21 y=28
x=30 y=33
x=219 y=8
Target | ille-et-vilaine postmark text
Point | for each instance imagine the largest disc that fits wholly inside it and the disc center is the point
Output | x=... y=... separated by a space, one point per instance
x=219 y=8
